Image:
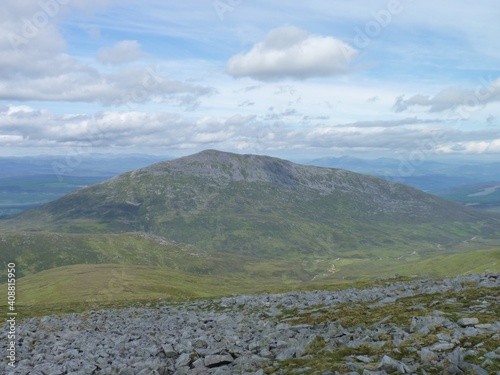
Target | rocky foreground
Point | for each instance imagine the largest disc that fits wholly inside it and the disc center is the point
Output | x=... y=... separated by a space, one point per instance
x=398 y=326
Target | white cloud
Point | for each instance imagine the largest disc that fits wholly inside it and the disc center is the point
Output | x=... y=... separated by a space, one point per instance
x=122 y=52
x=29 y=127
x=452 y=98
x=10 y=140
x=35 y=67
x=24 y=126
x=290 y=52
x=32 y=25
x=473 y=147
x=388 y=123
x=63 y=79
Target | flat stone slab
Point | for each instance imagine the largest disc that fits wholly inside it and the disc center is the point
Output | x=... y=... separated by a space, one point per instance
x=467 y=322
x=217 y=360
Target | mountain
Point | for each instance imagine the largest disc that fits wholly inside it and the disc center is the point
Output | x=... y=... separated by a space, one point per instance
x=261 y=206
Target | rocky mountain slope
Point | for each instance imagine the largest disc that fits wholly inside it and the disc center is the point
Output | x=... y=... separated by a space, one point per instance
x=398 y=326
x=262 y=206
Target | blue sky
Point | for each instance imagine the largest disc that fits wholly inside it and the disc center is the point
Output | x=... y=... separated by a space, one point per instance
x=397 y=78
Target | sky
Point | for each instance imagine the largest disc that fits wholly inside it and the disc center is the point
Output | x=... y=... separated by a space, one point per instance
x=366 y=78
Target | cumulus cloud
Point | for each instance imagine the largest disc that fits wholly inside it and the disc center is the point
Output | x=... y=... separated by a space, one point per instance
x=35 y=67
x=388 y=123
x=33 y=24
x=128 y=87
x=290 y=52
x=24 y=126
x=453 y=98
x=491 y=146
x=122 y=52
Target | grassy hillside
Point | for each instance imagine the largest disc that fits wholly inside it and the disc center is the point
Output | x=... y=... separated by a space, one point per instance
x=35 y=252
x=111 y=285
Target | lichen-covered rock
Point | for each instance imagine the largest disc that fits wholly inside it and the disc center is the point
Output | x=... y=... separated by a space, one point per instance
x=466 y=322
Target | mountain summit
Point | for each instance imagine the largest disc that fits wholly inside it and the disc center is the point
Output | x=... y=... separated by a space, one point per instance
x=262 y=206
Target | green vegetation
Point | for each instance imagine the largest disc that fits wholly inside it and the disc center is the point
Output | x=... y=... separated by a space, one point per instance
x=452 y=303
x=400 y=313
x=35 y=252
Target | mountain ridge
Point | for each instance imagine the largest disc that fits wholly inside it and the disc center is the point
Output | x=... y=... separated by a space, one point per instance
x=261 y=205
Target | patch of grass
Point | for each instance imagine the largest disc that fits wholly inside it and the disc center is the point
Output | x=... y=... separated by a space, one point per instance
x=321 y=358
x=315 y=346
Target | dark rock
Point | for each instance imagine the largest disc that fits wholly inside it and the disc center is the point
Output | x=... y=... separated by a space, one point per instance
x=217 y=360
x=453 y=370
